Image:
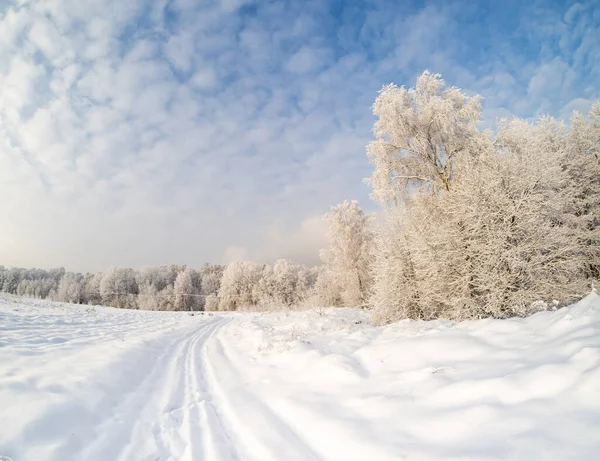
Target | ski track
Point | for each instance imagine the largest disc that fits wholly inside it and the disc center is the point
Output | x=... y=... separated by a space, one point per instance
x=169 y=416
x=163 y=389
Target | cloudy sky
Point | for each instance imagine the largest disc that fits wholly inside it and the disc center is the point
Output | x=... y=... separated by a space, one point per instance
x=138 y=132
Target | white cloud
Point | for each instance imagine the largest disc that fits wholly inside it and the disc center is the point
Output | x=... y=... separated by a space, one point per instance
x=44 y=36
x=231 y=5
x=573 y=11
x=307 y=60
x=204 y=78
x=548 y=78
x=17 y=87
x=578 y=104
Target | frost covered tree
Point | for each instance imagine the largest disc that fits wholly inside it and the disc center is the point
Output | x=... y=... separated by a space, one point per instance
x=347 y=257
x=290 y=282
x=582 y=187
x=91 y=288
x=38 y=288
x=184 y=291
x=37 y=283
x=70 y=288
x=118 y=287
x=155 y=286
x=149 y=298
x=209 y=282
x=26 y=288
x=491 y=247
x=211 y=303
x=211 y=275
x=420 y=134
x=56 y=275
x=328 y=288
x=237 y=286
x=494 y=244
x=12 y=278
x=263 y=291
x=283 y=284
x=160 y=277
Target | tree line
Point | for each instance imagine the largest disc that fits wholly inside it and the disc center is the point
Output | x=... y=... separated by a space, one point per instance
x=474 y=224
x=170 y=287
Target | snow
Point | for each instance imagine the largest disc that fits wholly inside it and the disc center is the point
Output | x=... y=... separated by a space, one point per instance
x=106 y=384
x=101 y=383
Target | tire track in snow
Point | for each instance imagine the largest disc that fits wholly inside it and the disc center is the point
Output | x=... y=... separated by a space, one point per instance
x=189 y=405
x=175 y=424
x=146 y=425
x=168 y=425
x=169 y=415
x=108 y=426
x=198 y=432
x=134 y=432
x=251 y=423
x=219 y=445
x=204 y=426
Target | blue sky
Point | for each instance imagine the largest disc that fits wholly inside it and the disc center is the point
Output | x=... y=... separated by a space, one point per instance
x=138 y=132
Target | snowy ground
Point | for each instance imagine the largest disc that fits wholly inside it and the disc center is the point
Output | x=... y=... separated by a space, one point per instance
x=115 y=385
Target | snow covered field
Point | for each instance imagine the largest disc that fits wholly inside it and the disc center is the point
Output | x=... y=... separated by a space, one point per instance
x=105 y=384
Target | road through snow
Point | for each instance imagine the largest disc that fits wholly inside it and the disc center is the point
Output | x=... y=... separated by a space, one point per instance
x=166 y=416
x=102 y=384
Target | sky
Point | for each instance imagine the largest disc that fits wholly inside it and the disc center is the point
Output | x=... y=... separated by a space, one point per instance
x=140 y=132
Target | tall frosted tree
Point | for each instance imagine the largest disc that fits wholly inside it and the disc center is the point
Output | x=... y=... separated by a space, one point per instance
x=420 y=134
x=184 y=291
x=348 y=255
